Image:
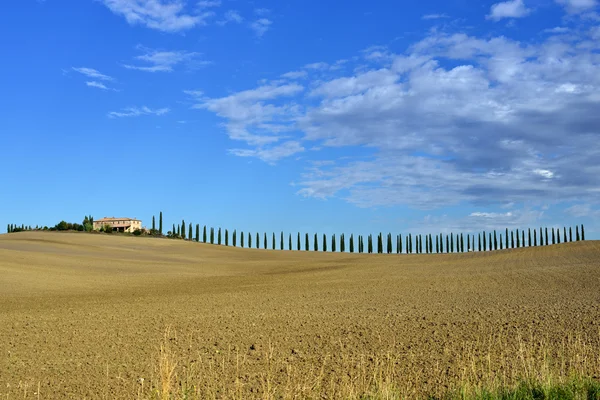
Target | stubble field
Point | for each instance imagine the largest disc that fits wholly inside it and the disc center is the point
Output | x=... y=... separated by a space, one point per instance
x=113 y=317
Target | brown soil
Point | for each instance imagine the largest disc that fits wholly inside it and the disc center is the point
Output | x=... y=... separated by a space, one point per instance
x=84 y=316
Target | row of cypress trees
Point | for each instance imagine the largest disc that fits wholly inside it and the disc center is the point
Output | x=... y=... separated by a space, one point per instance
x=417 y=244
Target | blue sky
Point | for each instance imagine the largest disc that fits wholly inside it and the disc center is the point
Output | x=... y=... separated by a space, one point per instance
x=312 y=116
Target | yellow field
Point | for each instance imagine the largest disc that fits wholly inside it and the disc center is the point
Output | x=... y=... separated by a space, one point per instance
x=111 y=317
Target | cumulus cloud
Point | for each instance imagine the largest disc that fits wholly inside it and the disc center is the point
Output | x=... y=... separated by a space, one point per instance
x=508 y=9
x=454 y=119
x=162 y=15
x=137 y=111
x=231 y=16
x=164 y=61
x=434 y=16
x=98 y=85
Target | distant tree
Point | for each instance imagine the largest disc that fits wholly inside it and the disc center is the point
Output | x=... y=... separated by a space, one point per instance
x=558 y=235
x=564 y=234
x=242 y=239
x=351 y=244
x=500 y=242
x=234 y=238
x=582 y=232
x=281 y=242
x=258 y=241
x=333 y=243
x=529 y=237
x=541 y=237
x=512 y=240
x=178 y=231
x=183 y=229
x=298 y=244
x=160 y=225
x=204 y=235
x=577 y=233
x=534 y=237
x=451 y=243
x=490 y=242
x=197 y=232
x=522 y=237
x=273 y=242
x=495 y=241
x=324 y=242
x=226 y=237
x=553 y=236
x=212 y=235
x=546 y=233
x=462 y=243
x=343 y=243
x=249 y=240
x=371 y=247
x=479 y=240
x=8 y=228
x=316 y=243
x=153 y=223
x=190 y=232
x=290 y=242
x=306 y=247
x=400 y=243
x=570 y=234
x=379 y=244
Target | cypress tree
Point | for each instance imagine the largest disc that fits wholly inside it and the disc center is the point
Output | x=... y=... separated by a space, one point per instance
x=265 y=246
x=484 y=242
x=564 y=234
x=506 y=236
x=360 y=243
x=183 y=229
x=174 y=231
x=495 y=241
x=290 y=242
x=553 y=236
x=420 y=244
x=351 y=243
x=380 y=244
x=234 y=238
x=479 y=236
x=8 y=229
x=523 y=237
x=469 y=243
x=529 y=234
x=512 y=239
x=343 y=243
x=389 y=243
x=490 y=241
x=541 y=237
x=462 y=243
x=190 y=232
x=226 y=237
x=249 y=240
x=409 y=244
x=333 y=243
x=437 y=244
x=316 y=243
x=212 y=235
x=219 y=237
x=298 y=244
x=582 y=232
x=197 y=232
x=534 y=237
x=204 y=234
x=570 y=234
x=451 y=242
x=273 y=242
x=242 y=239
x=546 y=232
x=447 y=244
x=577 y=233
x=160 y=224
x=400 y=243
x=306 y=247
x=558 y=235
x=153 y=224
x=258 y=240
x=281 y=241
x=501 y=244
x=178 y=231
x=324 y=242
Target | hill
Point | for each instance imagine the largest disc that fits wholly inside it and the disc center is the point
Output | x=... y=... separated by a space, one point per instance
x=84 y=315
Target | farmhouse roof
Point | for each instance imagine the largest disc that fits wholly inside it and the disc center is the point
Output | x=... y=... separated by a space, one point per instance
x=106 y=219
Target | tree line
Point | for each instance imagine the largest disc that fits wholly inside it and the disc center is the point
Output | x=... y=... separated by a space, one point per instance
x=408 y=244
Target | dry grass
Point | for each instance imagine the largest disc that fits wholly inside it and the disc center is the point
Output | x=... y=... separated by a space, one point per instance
x=84 y=317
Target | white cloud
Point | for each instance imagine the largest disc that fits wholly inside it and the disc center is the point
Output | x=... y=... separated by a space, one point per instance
x=262 y=11
x=271 y=154
x=98 y=85
x=294 y=75
x=231 y=16
x=261 y=26
x=434 y=16
x=508 y=9
x=209 y=3
x=557 y=29
x=164 y=61
x=578 y=6
x=92 y=73
x=455 y=119
x=138 y=111
x=162 y=15
x=582 y=211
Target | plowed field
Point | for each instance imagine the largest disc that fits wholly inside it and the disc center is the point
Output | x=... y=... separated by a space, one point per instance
x=86 y=316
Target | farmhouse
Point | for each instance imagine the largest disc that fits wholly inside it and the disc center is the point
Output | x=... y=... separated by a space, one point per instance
x=118 y=224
